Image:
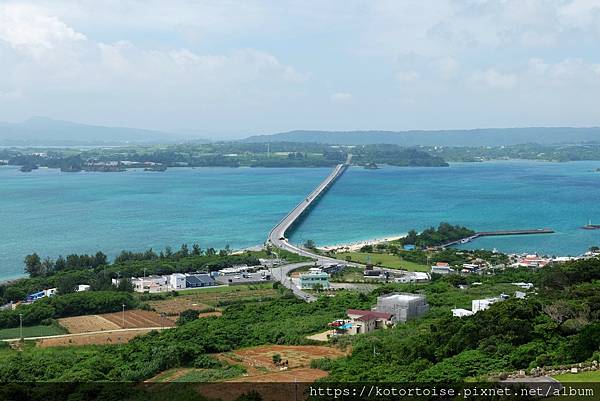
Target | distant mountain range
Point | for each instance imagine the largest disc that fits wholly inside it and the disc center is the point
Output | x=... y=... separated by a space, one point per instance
x=43 y=131
x=46 y=131
x=474 y=137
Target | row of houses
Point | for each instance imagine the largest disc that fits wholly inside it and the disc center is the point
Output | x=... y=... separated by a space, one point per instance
x=171 y=282
x=51 y=292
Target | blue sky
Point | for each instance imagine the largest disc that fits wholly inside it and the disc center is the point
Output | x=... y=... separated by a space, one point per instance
x=232 y=68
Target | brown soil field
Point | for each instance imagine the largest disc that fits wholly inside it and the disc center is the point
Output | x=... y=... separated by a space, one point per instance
x=84 y=324
x=111 y=321
x=89 y=339
x=174 y=306
x=138 y=319
x=298 y=356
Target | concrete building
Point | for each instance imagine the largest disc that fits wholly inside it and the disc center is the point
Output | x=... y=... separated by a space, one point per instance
x=413 y=277
x=483 y=304
x=402 y=306
x=82 y=287
x=442 y=268
x=150 y=284
x=314 y=277
x=459 y=312
x=177 y=281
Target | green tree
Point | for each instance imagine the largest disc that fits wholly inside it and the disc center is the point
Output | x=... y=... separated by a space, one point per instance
x=33 y=265
x=188 y=315
x=66 y=284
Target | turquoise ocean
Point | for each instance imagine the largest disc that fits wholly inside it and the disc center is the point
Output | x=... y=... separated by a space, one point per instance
x=54 y=213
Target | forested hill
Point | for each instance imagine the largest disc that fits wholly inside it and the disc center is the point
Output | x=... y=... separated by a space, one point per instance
x=475 y=137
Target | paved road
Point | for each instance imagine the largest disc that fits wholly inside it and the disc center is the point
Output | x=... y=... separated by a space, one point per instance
x=281 y=274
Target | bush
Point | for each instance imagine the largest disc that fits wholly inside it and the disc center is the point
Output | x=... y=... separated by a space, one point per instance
x=321 y=363
x=188 y=315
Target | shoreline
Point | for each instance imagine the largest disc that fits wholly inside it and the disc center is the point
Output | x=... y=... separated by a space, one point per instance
x=356 y=245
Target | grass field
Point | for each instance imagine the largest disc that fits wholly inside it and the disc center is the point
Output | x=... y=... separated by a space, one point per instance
x=32 y=331
x=384 y=259
x=583 y=377
x=213 y=297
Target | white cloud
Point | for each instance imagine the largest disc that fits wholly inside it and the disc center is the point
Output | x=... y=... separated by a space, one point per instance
x=493 y=79
x=447 y=67
x=32 y=33
x=341 y=98
x=407 y=76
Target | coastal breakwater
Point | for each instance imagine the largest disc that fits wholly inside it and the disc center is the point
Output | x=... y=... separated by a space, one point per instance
x=498 y=233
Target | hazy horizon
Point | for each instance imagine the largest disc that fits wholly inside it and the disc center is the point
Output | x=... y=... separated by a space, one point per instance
x=229 y=70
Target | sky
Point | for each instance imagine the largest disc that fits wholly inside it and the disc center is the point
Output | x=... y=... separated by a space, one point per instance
x=225 y=69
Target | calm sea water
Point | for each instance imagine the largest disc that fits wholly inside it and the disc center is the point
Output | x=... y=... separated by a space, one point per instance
x=482 y=196
x=56 y=213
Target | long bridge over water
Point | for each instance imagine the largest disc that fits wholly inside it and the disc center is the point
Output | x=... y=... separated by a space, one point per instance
x=277 y=236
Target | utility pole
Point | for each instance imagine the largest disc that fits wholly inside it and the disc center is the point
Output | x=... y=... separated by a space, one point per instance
x=123 y=315
x=21 y=325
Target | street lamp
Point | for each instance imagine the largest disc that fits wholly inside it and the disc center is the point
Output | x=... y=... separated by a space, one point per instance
x=123 y=315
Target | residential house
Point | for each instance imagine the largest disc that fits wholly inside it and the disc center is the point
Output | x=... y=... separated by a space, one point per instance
x=366 y=321
x=199 y=281
x=442 y=268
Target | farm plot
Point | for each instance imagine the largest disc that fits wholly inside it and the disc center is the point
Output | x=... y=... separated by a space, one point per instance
x=113 y=321
x=138 y=319
x=175 y=305
x=203 y=299
x=87 y=323
x=114 y=337
x=298 y=356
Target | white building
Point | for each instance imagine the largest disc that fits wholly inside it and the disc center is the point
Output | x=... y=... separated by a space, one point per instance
x=82 y=287
x=403 y=306
x=50 y=292
x=525 y=286
x=177 y=281
x=150 y=284
x=413 y=277
x=442 y=268
x=483 y=304
x=460 y=312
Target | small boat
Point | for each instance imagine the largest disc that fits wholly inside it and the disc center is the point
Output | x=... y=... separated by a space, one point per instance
x=590 y=226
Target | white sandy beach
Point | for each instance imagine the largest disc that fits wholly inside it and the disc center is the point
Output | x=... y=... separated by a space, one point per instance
x=355 y=246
